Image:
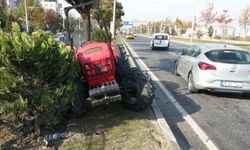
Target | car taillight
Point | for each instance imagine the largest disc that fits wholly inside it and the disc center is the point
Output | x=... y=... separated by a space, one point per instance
x=205 y=66
x=86 y=66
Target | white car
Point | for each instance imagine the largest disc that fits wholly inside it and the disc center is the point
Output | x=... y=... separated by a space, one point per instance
x=215 y=67
x=160 y=41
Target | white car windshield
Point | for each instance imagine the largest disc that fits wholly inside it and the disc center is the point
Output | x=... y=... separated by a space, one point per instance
x=161 y=37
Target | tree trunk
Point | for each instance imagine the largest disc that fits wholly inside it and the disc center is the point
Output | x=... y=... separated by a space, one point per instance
x=87 y=26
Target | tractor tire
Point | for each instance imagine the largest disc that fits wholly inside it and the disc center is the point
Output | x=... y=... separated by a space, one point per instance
x=79 y=106
x=122 y=66
x=140 y=92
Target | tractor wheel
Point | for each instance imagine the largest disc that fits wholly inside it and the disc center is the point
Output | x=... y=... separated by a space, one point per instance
x=139 y=93
x=79 y=106
x=122 y=66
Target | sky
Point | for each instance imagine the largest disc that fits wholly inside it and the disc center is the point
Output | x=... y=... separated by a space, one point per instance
x=156 y=10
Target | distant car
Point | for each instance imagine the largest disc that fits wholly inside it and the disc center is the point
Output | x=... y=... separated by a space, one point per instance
x=135 y=34
x=160 y=41
x=215 y=67
x=62 y=37
x=130 y=36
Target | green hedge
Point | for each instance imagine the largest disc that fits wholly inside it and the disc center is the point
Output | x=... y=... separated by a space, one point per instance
x=36 y=78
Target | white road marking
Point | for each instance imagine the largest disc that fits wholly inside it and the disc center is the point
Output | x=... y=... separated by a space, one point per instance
x=196 y=128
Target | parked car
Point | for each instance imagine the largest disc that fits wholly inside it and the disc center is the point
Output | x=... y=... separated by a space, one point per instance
x=160 y=40
x=62 y=37
x=215 y=67
x=130 y=36
x=135 y=34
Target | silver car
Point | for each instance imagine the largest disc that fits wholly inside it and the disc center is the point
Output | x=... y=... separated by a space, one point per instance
x=215 y=67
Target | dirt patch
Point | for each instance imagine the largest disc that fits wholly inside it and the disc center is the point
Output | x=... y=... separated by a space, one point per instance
x=106 y=127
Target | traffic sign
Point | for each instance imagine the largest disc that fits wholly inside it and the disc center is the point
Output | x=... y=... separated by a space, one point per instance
x=128 y=23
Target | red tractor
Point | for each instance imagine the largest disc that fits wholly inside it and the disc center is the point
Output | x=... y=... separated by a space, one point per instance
x=109 y=74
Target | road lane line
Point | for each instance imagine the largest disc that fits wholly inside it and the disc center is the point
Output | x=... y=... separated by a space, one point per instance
x=196 y=128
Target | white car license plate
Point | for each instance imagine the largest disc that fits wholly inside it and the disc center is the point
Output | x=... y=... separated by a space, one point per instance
x=231 y=84
x=157 y=43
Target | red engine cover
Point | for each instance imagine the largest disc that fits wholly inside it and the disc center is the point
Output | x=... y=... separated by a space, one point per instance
x=97 y=63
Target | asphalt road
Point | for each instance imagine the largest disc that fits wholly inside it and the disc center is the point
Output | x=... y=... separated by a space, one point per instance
x=224 y=117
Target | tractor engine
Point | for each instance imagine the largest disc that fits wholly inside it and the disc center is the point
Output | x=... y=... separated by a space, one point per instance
x=98 y=70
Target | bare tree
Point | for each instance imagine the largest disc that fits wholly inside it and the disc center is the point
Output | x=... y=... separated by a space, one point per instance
x=224 y=19
x=208 y=16
x=244 y=20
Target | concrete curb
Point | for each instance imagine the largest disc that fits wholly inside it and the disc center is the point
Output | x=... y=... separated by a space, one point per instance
x=166 y=131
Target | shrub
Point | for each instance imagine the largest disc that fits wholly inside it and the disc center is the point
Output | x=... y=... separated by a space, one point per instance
x=218 y=37
x=173 y=31
x=199 y=34
x=210 y=31
x=36 y=79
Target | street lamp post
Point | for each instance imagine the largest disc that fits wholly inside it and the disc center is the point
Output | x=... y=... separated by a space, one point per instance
x=63 y=23
x=192 y=32
x=26 y=16
x=79 y=34
x=113 y=26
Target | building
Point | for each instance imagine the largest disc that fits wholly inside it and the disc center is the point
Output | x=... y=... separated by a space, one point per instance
x=50 y=4
x=53 y=5
x=12 y=4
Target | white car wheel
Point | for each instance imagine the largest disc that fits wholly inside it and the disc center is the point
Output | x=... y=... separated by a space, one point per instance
x=191 y=86
x=175 y=69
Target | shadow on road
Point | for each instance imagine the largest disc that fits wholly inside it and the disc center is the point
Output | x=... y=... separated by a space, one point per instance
x=172 y=115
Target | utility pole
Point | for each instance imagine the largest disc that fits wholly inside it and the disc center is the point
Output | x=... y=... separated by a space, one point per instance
x=148 y=28
x=63 y=23
x=26 y=16
x=79 y=32
x=192 y=32
x=113 y=26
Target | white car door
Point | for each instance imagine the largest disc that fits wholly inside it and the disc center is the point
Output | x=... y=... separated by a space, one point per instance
x=191 y=60
x=183 y=58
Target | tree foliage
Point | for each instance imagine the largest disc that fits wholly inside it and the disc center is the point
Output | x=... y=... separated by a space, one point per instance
x=98 y=35
x=106 y=8
x=107 y=11
x=224 y=19
x=53 y=21
x=5 y=19
x=182 y=25
x=244 y=19
x=208 y=16
x=37 y=16
x=36 y=79
x=199 y=34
